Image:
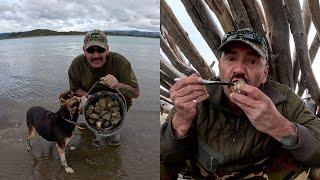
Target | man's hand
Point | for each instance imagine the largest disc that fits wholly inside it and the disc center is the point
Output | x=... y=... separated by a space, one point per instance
x=263 y=114
x=185 y=94
x=110 y=80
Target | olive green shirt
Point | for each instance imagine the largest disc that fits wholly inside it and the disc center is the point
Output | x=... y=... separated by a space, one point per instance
x=82 y=75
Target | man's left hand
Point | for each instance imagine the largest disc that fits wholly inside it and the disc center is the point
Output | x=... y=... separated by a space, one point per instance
x=262 y=113
x=110 y=80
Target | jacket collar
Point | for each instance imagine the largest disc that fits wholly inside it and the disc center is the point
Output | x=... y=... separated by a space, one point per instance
x=218 y=99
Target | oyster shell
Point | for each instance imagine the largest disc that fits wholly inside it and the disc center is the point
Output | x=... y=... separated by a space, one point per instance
x=106 y=124
x=106 y=116
x=94 y=116
x=98 y=124
x=102 y=103
x=92 y=121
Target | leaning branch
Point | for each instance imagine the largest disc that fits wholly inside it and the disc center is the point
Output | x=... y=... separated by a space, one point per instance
x=173 y=59
x=239 y=14
x=223 y=14
x=202 y=20
x=278 y=32
x=292 y=9
x=170 y=22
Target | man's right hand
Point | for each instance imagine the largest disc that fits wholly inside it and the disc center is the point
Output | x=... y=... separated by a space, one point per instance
x=185 y=94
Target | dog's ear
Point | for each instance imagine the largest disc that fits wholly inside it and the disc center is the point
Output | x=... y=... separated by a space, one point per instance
x=64 y=96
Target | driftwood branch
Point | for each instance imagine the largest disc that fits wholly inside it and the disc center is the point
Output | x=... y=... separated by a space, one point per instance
x=164 y=92
x=261 y=14
x=166 y=78
x=312 y=52
x=292 y=9
x=168 y=100
x=314 y=47
x=202 y=20
x=278 y=32
x=169 y=21
x=171 y=71
x=239 y=14
x=164 y=84
x=306 y=23
x=253 y=15
x=174 y=60
x=223 y=14
x=174 y=48
x=314 y=10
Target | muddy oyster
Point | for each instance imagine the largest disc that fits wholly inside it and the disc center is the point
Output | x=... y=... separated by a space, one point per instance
x=104 y=114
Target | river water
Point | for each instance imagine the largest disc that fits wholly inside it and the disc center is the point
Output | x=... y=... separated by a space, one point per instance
x=33 y=72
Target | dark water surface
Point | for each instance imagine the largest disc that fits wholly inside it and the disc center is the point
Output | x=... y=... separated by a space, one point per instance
x=33 y=71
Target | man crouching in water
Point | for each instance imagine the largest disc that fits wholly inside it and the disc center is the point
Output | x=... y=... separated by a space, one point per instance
x=98 y=64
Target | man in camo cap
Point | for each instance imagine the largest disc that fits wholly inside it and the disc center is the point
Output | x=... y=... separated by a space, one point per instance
x=98 y=64
x=261 y=129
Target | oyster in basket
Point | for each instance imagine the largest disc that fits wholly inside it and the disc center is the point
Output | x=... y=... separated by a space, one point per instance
x=104 y=114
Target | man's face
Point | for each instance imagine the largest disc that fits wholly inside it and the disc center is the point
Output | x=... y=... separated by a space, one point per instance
x=240 y=61
x=96 y=56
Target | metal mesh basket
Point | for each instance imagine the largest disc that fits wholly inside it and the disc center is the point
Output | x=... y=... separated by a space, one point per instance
x=95 y=98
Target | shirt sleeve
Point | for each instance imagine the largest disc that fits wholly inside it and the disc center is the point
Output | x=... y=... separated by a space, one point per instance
x=308 y=148
x=175 y=150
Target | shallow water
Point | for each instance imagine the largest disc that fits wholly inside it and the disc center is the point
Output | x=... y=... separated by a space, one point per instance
x=34 y=72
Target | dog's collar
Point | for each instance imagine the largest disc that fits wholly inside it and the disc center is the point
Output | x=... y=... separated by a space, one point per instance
x=68 y=120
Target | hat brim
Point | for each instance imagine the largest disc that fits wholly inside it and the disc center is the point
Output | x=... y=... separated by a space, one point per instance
x=252 y=45
x=95 y=43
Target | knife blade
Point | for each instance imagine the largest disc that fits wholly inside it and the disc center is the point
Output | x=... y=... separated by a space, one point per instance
x=209 y=82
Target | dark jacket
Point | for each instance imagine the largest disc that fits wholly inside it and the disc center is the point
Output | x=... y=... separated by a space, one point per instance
x=236 y=139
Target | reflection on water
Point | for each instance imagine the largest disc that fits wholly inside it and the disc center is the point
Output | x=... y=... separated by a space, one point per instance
x=34 y=72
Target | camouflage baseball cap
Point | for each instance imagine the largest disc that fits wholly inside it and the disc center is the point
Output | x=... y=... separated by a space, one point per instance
x=95 y=38
x=247 y=36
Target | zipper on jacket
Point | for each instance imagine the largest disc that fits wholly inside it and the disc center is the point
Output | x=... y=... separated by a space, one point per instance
x=235 y=137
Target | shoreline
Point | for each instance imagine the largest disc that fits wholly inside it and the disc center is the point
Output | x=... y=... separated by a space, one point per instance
x=74 y=35
x=136 y=158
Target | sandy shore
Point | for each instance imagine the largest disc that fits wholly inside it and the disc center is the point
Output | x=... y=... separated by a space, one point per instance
x=136 y=158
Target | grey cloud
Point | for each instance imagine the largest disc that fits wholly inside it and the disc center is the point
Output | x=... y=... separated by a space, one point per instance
x=81 y=15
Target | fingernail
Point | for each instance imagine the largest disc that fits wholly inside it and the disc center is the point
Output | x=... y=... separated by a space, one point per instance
x=195 y=101
x=208 y=95
x=200 y=79
x=231 y=94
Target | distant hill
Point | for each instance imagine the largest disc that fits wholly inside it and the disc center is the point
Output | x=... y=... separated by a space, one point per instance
x=47 y=32
x=133 y=33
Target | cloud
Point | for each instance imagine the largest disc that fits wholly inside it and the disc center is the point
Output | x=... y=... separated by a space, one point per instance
x=77 y=15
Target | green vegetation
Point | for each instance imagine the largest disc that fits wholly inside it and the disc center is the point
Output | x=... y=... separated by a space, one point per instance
x=47 y=32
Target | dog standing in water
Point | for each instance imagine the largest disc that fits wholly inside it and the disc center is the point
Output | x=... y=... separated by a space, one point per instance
x=55 y=127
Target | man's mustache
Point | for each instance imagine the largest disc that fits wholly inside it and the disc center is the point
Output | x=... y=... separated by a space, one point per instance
x=235 y=78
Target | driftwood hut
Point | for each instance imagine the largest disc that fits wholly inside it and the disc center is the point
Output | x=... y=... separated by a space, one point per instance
x=274 y=19
x=277 y=20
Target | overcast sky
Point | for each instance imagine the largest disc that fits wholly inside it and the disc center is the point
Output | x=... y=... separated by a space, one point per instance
x=67 y=15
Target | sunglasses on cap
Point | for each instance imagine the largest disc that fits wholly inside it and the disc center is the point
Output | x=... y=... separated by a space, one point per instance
x=246 y=34
x=93 y=49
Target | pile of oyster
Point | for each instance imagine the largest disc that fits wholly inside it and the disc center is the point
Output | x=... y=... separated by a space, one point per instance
x=104 y=114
